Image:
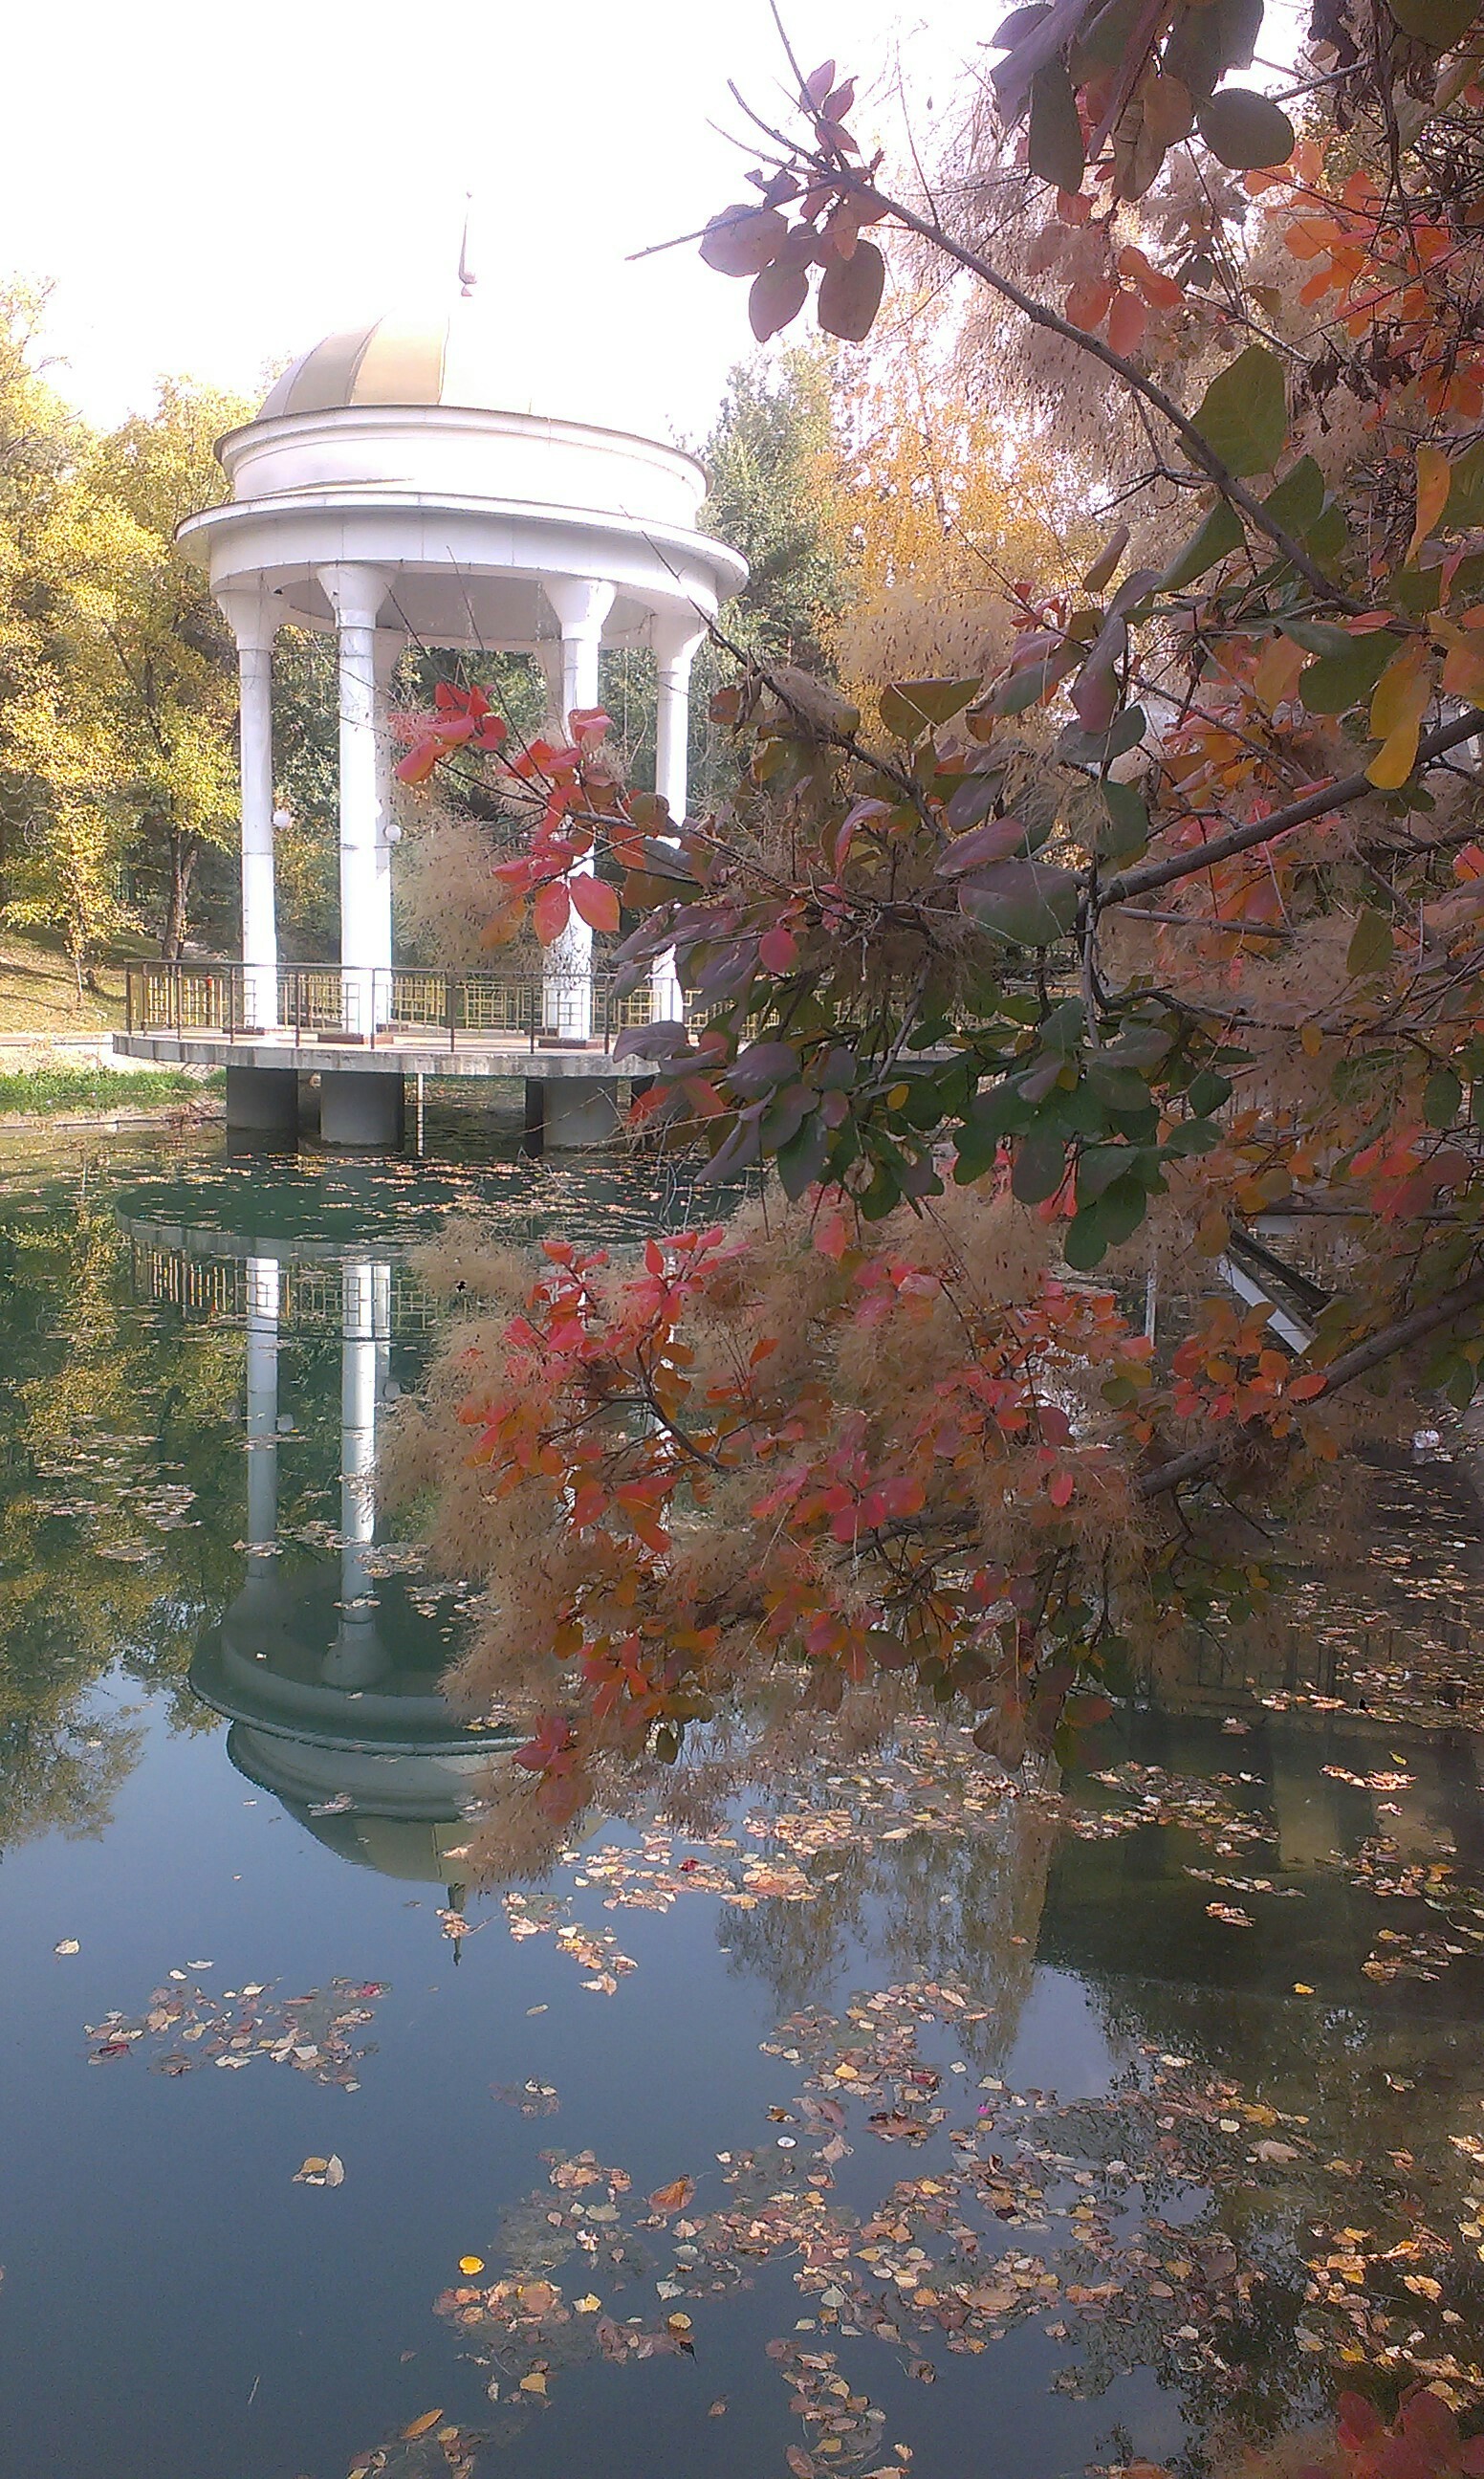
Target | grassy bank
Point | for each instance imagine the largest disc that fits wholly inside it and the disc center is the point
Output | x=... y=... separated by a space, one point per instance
x=43 y=1092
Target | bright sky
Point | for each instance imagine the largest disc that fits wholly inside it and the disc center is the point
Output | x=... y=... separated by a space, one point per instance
x=212 y=188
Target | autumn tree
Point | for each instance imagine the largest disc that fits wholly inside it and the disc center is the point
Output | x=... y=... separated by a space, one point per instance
x=1156 y=945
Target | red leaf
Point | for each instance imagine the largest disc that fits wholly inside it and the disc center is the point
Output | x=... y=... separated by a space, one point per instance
x=1059 y=1487
x=550 y=911
x=1356 y=2419
x=420 y=762
x=776 y=297
x=596 y=901
x=777 y=950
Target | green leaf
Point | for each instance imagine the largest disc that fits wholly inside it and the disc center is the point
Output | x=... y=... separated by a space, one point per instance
x=1208 y=41
x=1040 y=1168
x=1065 y=1027
x=1466 y=491
x=801 y=1161
x=1055 y=143
x=1127 y=831
x=1443 y=1098
x=1371 y=945
x=1208 y=1091
x=1097 y=1168
x=1338 y=681
x=1216 y=536
x=1027 y=902
x=1244 y=415
x=910 y=707
x=1244 y=130
x=1297 y=501
x=1440 y=24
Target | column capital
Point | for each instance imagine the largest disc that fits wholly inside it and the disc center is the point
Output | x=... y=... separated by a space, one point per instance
x=580 y=603
x=355 y=594
x=252 y=614
x=677 y=638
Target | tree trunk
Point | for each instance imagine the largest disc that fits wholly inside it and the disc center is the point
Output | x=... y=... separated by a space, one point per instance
x=172 y=937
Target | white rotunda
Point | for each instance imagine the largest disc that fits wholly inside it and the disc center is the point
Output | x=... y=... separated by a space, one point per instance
x=451 y=484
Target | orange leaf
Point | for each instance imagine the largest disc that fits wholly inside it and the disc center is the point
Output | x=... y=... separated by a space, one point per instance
x=595 y=900
x=421 y=2426
x=552 y=911
x=1127 y=322
x=1434 y=481
x=1089 y=303
x=673 y=2198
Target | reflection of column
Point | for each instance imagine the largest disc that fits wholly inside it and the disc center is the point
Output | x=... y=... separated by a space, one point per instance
x=263 y=1305
x=356 y=1656
x=676 y=642
x=582 y=604
x=355 y=595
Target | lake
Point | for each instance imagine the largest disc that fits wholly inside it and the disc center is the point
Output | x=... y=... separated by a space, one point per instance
x=895 y=2120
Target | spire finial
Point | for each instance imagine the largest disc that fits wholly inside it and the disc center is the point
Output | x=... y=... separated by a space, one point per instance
x=467 y=279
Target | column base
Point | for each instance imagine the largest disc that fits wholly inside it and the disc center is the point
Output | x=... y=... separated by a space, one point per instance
x=360 y=1108
x=262 y=1101
x=575 y=1112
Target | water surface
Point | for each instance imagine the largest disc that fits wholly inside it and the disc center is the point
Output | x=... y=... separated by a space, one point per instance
x=1026 y=2134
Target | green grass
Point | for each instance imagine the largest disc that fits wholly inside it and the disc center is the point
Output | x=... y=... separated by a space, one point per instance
x=39 y=990
x=41 y=1091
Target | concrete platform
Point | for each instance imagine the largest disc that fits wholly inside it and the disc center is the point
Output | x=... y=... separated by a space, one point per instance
x=572 y=1098
x=471 y=1055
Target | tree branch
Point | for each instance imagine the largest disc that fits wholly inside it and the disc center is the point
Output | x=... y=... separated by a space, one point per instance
x=1151 y=874
x=1198 y=1461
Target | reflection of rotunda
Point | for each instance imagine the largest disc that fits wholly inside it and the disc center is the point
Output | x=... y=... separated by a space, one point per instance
x=464 y=482
x=328 y=1673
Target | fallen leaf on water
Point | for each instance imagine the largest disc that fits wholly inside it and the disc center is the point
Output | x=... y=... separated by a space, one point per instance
x=589 y=2304
x=421 y=2426
x=1301 y=1989
x=673 y=2198
x=471 y=2263
x=68 y=1944
x=535 y=2384
x=335 y=2170
x=799 y=2463
x=718 y=2409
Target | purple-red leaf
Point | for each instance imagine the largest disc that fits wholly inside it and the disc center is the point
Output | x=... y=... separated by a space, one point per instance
x=850 y=292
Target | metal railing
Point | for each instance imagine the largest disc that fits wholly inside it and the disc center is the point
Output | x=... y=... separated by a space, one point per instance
x=375 y=1008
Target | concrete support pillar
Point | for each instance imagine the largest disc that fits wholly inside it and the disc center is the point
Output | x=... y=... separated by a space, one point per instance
x=357 y=1107
x=676 y=645
x=356 y=596
x=253 y=623
x=263 y=1312
x=577 y=1111
x=262 y=1101
x=582 y=604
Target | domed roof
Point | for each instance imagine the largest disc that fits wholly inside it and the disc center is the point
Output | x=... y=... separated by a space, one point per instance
x=515 y=363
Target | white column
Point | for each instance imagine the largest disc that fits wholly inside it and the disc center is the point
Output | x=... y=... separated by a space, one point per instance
x=253 y=622
x=389 y=644
x=676 y=644
x=263 y=1310
x=582 y=604
x=355 y=596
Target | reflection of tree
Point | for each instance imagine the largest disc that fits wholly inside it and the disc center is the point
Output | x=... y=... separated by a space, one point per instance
x=960 y=1906
x=106 y=1426
x=59 y=1771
